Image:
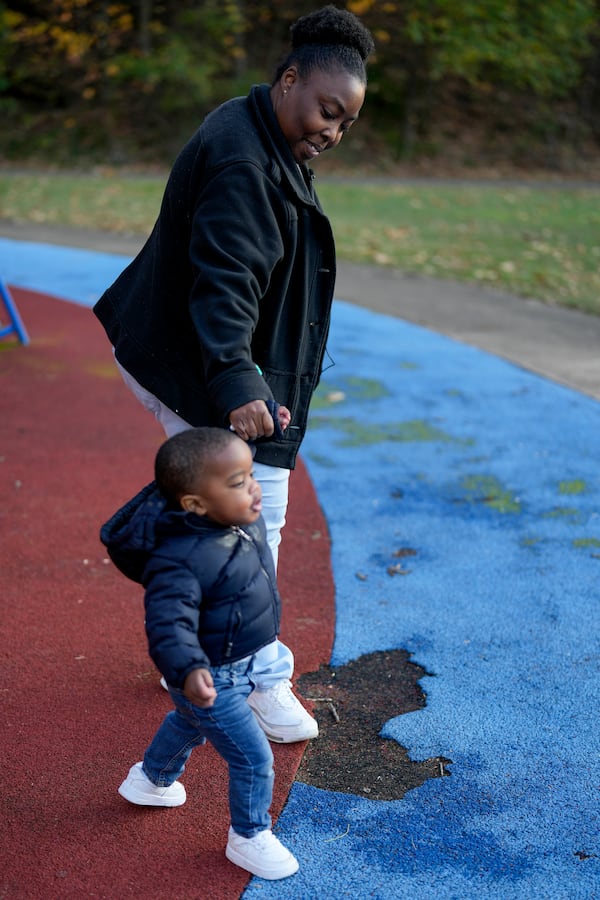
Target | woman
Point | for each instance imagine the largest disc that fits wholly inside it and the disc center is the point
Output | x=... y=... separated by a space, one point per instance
x=226 y=308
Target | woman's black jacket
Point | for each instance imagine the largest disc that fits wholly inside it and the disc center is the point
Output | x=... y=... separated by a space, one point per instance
x=238 y=271
x=210 y=590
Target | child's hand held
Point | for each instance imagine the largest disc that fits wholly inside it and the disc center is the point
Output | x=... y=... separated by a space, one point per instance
x=284 y=416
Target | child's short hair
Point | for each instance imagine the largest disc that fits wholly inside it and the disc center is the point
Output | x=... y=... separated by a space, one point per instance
x=181 y=459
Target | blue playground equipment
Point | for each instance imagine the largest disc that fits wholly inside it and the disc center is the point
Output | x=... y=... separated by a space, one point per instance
x=16 y=323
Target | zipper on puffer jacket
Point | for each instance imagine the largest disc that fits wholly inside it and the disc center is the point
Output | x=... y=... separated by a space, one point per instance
x=240 y=531
x=235 y=621
x=233 y=630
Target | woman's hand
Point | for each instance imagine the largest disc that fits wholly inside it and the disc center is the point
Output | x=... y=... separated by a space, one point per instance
x=199 y=689
x=253 y=420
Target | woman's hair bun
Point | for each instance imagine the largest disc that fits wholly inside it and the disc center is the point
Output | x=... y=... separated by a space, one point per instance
x=331 y=26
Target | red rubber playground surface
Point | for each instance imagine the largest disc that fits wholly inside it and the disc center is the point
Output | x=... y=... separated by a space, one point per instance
x=80 y=696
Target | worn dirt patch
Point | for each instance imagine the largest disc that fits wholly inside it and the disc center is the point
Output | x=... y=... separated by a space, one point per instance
x=351 y=704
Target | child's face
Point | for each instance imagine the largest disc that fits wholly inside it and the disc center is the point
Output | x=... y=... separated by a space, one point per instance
x=228 y=492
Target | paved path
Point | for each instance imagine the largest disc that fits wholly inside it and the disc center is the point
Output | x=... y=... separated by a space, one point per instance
x=555 y=342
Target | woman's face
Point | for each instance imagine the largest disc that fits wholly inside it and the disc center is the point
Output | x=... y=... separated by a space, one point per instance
x=315 y=113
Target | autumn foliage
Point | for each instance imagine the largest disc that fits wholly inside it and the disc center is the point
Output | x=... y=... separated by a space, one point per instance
x=112 y=80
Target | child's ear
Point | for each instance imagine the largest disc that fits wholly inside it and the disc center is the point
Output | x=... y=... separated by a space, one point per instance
x=192 y=503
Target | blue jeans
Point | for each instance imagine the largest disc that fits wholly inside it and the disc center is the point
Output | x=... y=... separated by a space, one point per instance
x=232 y=729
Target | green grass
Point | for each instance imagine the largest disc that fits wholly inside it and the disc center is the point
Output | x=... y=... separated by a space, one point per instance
x=126 y=205
x=532 y=241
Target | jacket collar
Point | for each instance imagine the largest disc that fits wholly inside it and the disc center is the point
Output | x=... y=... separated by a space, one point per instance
x=181 y=522
x=299 y=178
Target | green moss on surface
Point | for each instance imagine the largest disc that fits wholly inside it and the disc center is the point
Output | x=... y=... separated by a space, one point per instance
x=358 y=434
x=489 y=490
x=561 y=512
x=587 y=543
x=366 y=388
x=572 y=487
x=353 y=388
x=531 y=541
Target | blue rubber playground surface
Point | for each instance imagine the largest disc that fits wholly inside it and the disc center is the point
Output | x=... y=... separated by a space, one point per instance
x=490 y=475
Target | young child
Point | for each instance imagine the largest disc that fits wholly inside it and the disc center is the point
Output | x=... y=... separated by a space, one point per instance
x=197 y=543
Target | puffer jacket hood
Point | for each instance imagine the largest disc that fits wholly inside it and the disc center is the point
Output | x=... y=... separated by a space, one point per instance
x=130 y=534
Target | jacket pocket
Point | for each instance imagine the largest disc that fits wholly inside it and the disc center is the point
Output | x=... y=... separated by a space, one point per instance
x=283 y=386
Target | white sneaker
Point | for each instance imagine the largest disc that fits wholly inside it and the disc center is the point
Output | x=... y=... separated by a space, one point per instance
x=137 y=788
x=263 y=855
x=281 y=715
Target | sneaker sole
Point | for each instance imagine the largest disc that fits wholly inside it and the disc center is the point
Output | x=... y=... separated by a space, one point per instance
x=284 y=871
x=279 y=739
x=285 y=738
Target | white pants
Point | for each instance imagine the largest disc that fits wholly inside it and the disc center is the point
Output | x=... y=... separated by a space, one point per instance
x=275 y=661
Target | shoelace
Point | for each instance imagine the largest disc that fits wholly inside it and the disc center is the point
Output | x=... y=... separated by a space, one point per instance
x=282 y=694
x=264 y=840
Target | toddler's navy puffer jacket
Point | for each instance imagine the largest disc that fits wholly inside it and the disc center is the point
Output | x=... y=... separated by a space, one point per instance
x=210 y=591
